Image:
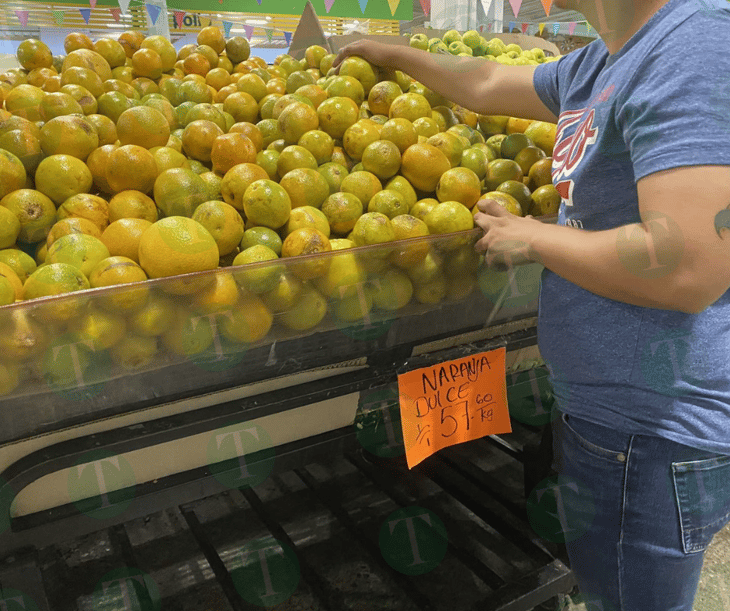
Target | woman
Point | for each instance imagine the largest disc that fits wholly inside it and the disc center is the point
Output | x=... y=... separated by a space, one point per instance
x=634 y=318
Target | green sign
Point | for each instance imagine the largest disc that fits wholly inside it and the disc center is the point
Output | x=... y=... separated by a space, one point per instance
x=350 y=9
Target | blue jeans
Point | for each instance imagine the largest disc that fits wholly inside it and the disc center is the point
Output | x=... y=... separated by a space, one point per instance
x=637 y=514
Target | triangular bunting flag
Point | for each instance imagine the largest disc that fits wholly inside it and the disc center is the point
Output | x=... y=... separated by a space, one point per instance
x=425 y=5
x=524 y=27
x=124 y=5
x=511 y=26
x=287 y=37
x=556 y=29
x=588 y=28
x=515 y=4
x=154 y=12
x=571 y=27
x=364 y=4
x=489 y=27
x=269 y=33
x=259 y=2
x=22 y=17
x=116 y=12
x=85 y=13
x=227 y=25
x=248 y=31
x=541 y=27
x=547 y=5
x=328 y=5
x=179 y=16
x=58 y=17
x=393 y=6
x=481 y=28
x=92 y=3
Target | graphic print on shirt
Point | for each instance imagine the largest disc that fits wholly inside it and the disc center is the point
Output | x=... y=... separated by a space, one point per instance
x=570 y=150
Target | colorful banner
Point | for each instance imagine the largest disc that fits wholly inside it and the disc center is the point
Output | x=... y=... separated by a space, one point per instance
x=547 y=5
x=541 y=27
x=516 y=5
x=179 y=16
x=556 y=29
x=425 y=5
x=287 y=37
x=364 y=4
x=328 y=5
x=86 y=14
x=116 y=12
x=92 y=3
x=227 y=25
x=248 y=31
x=269 y=33
x=524 y=27
x=124 y=5
x=22 y=17
x=154 y=12
x=571 y=27
x=511 y=26
x=393 y=4
x=58 y=17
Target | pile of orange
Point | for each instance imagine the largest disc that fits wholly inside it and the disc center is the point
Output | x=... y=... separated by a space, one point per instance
x=128 y=160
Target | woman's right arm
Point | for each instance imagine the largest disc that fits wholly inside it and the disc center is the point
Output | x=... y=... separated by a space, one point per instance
x=485 y=87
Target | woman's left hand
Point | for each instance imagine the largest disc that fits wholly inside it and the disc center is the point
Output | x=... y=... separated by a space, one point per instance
x=508 y=239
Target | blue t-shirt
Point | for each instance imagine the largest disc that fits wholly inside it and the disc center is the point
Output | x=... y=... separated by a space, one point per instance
x=661 y=102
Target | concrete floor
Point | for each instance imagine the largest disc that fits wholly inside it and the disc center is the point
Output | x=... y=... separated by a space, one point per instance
x=713 y=593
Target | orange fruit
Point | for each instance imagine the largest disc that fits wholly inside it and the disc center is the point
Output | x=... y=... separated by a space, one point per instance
x=237 y=49
x=69 y=135
x=196 y=63
x=249 y=322
x=167 y=158
x=122 y=237
x=143 y=126
x=144 y=86
x=24 y=101
x=117 y=270
x=315 y=93
x=307 y=241
x=112 y=51
x=297 y=119
x=56 y=279
x=250 y=130
x=362 y=70
x=409 y=106
x=223 y=222
x=76 y=40
x=198 y=138
x=423 y=165
x=362 y=184
x=177 y=245
x=266 y=203
x=178 y=191
x=336 y=115
x=461 y=185
x=230 y=150
x=358 y=136
x=252 y=84
x=105 y=128
x=131 y=41
x=212 y=37
x=147 y=63
x=305 y=187
x=78 y=249
x=61 y=176
x=242 y=107
x=400 y=132
x=97 y=163
x=35 y=211
x=217 y=78
x=342 y=211
x=86 y=58
x=163 y=48
x=319 y=143
x=132 y=205
x=381 y=97
x=79 y=75
x=516 y=125
x=131 y=167
x=219 y=296
x=451 y=146
x=33 y=54
x=25 y=146
x=70 y=225
x=209 y=54
x=85 y=205
x=382 y=158
x=237 y=180
x=39 y=77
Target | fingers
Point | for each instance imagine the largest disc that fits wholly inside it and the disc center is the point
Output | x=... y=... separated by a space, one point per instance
x=490 y=206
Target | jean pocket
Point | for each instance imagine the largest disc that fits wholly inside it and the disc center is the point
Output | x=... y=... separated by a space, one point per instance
x=702 y=488
x=588 y=436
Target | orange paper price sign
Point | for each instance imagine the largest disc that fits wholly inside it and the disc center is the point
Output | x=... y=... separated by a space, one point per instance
x=453 y=402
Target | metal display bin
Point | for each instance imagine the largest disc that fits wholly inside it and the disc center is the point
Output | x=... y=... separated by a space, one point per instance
x=94 y=437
